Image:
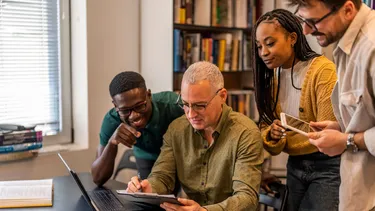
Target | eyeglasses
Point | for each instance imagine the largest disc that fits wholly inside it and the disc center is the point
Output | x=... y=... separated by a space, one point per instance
x=140 y=108
x=311 y=23
x=199 y=107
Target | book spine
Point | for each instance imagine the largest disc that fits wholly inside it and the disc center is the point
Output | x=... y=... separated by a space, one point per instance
x=19 y=138
x=21 y=134
x=176 y=51
x=189 y=11
x=20 y=147
x=20 y=141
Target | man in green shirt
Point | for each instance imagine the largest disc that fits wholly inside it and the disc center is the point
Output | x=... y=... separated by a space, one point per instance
x=138 y=120
x=215 y=153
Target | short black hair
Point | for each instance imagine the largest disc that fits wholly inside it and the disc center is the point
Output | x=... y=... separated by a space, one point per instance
x=126 y=81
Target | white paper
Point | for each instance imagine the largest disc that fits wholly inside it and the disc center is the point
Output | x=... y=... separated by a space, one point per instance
x=26 y=189
x=144 y=194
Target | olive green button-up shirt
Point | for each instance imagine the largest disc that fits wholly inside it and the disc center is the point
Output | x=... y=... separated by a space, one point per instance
x=223 y=176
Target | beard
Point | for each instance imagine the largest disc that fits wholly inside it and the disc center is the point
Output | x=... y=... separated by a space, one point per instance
x=331 y=37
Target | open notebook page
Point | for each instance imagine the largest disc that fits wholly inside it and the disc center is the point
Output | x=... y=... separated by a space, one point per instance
x=26 y=193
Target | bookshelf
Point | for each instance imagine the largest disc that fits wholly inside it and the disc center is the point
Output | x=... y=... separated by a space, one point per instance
x=158 y=24
x=217 y=31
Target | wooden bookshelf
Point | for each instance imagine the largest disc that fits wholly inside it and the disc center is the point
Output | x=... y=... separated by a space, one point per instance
x=217 y=31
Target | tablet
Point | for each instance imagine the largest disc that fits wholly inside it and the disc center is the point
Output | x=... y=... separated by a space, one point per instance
x=295 y=124
x=149 y=198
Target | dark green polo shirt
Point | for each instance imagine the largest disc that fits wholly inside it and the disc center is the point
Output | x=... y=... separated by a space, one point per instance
x=164 y=111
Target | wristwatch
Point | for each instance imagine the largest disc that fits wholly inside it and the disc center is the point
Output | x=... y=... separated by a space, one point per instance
x=350 y=143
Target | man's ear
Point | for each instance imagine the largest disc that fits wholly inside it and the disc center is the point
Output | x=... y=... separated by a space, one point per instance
x=149 y=94
x=223 y=95
x=349 y=10
x=114 y=105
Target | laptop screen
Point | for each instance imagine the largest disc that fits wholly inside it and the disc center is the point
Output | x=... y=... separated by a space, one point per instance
x=79 y=183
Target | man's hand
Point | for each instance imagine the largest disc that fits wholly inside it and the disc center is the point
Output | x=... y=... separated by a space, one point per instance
x=277 y=131
x=318 y=126
x=329 y=141
x=268 y=178
x=189 y=205
x=125 y=135
x=136 y=185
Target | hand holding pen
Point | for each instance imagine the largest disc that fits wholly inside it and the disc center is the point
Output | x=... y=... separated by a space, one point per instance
x=138 y=185
x=140 y=181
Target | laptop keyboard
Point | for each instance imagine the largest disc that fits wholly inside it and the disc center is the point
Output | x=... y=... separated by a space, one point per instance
x=106 y=200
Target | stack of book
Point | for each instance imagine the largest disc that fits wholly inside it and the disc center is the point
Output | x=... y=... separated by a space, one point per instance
x=243 y=101
x=225 y=13
x=225 y=50
x=19 y=144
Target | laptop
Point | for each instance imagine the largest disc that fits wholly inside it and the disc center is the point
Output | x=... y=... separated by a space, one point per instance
x=99 y=199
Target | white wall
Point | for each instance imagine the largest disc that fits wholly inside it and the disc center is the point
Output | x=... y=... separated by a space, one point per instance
x=109 y=45
x=156 y=44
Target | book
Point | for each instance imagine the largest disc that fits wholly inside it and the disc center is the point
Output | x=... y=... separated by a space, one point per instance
x=20 y=147
x=202 y=12
x=26 y=193
x=20 y=137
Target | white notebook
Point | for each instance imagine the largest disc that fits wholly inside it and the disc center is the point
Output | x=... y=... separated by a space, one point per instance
x=150 y=198
x=26 y=193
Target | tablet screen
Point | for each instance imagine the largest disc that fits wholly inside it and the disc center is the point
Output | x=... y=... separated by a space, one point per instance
x=298 y=124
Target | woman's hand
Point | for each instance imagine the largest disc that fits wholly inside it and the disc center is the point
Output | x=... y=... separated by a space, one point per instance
x=277 y=131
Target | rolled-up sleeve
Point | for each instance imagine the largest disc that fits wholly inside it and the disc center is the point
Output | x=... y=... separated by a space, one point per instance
x=274 y=147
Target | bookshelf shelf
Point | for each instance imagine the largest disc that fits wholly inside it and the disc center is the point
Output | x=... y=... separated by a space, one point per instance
x=198 y=28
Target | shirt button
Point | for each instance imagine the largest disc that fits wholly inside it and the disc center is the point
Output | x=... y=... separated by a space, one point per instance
x=202 y=183
x=205 y=146
x=204 y=163
x=301 y=109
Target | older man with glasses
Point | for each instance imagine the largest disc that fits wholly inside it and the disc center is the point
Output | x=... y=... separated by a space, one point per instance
x=351 y=24
x=138 y=120
x=215 y=152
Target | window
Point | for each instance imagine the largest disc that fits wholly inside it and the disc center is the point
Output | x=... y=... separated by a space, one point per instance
x=35 y=66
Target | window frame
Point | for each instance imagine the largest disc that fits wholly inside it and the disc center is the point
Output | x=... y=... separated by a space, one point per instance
x=65 y=135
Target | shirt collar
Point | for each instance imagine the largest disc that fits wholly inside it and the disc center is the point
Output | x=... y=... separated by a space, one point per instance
x=222 y=121
x=347 y=41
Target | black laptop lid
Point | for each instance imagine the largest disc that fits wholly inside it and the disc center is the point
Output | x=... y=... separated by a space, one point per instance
x=79 y=183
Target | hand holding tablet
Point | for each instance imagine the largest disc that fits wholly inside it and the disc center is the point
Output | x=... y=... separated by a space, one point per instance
x=296 y=124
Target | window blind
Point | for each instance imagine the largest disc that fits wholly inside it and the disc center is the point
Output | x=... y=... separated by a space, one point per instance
x=30 y=63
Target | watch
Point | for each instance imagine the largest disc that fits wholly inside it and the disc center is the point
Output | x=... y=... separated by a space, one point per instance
x=350 y=144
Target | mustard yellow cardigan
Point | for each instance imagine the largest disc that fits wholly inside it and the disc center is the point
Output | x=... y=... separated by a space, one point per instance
x=315 y=105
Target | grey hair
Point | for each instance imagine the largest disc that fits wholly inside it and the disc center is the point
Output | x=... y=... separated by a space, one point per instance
x=204 y=70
